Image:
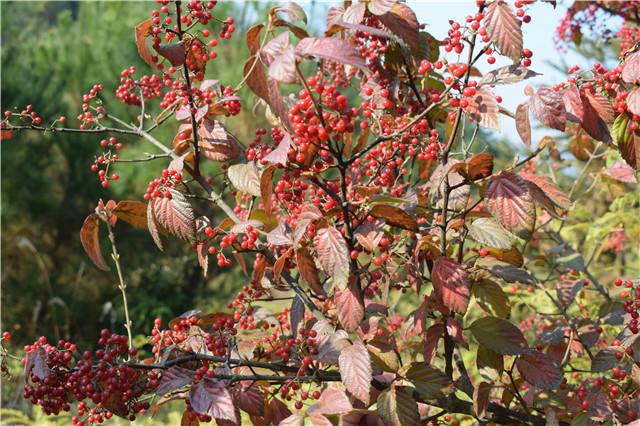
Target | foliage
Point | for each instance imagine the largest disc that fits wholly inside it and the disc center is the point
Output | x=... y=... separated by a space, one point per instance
x=393 y=273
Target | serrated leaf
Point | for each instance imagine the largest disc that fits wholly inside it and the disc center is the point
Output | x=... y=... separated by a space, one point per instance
x=428 y=381
x=355 y=371
x=488 y=232
x=350 y=306
x=511 y=274
x=630 y=151
x=308 y=271
x=174 y=378
x=214 y=142
x=394 y=216
x=492 y=299
x=153 y=226
x=331 y=48
x=503 y=29
x=509 y=74
x=175 y=215
x=209 y=397
x=401 y=20
x=331 y=401
x=540 y=370
x=523 y=125
x=450 y=281
x=245 y=178
x=91 y=242
x=499 y=335
x=397 y=408
x=479 y=166
x=631 y=67
x=550 y=189
x=483 y=109
x=593 y=124
x=333 y=255
x=283 y=66
x=509 y=201
x=548 y=107
x=369 y=234
x=621 y=172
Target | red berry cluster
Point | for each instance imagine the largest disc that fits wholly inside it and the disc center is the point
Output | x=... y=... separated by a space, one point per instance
x=159 y=187
x=105 y=159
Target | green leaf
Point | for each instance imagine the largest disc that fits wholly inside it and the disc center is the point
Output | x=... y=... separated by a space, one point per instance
x=397 y=408
x=487 y=231
x=492 y=299
x=428 y=381
x=499 y=335
x=620 y=129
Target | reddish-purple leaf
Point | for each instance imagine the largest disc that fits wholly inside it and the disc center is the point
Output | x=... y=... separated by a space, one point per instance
x=380 y=7
x=90 y=241
x=631 y=67
x=369 y=234
x=211 y=398
x=601 y=104
x=539 y=370
x=523 y=125
x=483 y=109
x=283 y=66
x=481 y=395
x=333 y=255
x=593 y=124
x=175 y=215
x=550 y=188
x=332 y=401
x=432 y=337
x=541 y=199
x=308 y=271
x=280 y=155
x=334 y=16
x=332 y=48
x=280 y=235
x=249 y=398
x=142 y=30
x=548 y=107
x=401 y=20
x=214 y=142
x=296 y=315
x=354 y=13
x=498 y=335
x=355 y=369
x=255 y=78
x=276 y=412
x=573 y=102
x=153 y=225
x=253 y=39
x=291 y=10
x=509 y=201
x=621 y=172
x=394 y=216
x=37 y=364
x=450 y=280
x=350 y=306
x=275 y=47
x=174 y=378
x=504 y=29
x=174 y=53
x=633 y=101
x=630 y=151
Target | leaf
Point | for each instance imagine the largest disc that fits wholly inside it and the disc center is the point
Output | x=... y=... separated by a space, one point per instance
x=428 y=381
x=256 y=78
x=547 y=106
x=209 y=397
x=541 y=199
x=331 y=48
x=252 y=38
x=550 y=188
x=488 y=232
x=568 y=290
x=604 y=361
x=369 y=234
x=631 y=67
x=479 y=166
x=189 y=419
x=523 y=125
x=450 y=281
x=214 y=142
x=573 y=102
x=503 y=29
x=401 y=20
x=511 y=274
x=333 y=255
x=492 y=299
x=308 y=271
x=332 y=401
x=175 y=215
x=283 y=66
x=292 y=10
x=481 y=395
x=509 y=201
x=509 y=74
x=132 y=212
x=354 y=13
x=601 y=105
x=152 y=225
x=498 y=335
x=296 y=315
x=539 y=370
x=487 y=359
x=380 y=7
x=142 y=31
x=280 y=155
x=355 y=370
x=173 y=379
x=483 y=109
x=174 y=53
x=397 y=408
x=593 y=124
x=245 y=178
x=630 y=151
x=621 y=172
x=394 y=216
x=350 y=306
x=37 y=364
x=90 y=241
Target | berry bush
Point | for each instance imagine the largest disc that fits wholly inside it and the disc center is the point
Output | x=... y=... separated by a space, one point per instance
x=394 y=274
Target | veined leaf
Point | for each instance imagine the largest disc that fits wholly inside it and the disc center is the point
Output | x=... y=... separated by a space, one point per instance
x=333 y=255
x=355 y=369
x=499 y=335
x=503 y=29
x=90 y=241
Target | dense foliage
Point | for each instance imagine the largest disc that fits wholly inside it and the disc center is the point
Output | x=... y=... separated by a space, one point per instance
x=393 y=273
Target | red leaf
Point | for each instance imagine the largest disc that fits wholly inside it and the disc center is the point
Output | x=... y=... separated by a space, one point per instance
x=523 y=125
x=296 y=315
x=308 y=270
x=275 y=47
x=630 y=151
x=539 y=370
x=380 y=7
x=256 y=78
x=601 y=104
x=355 y=370
x=509 y=201
x=153 y=225
x=504 y=29
x=175 y=215
x=350 y=306
x=394 y=216
x=548 y=107
x=174 y=378
x=633 y=101
x=143 y=30
x=401 y=20
x=37 y=364
x=249 y=398
x=550 y=188
x=214 y=142
x=334 y=15
x=333 y=255
x=450 y=281
x=481 y=395
x=283 y=66
x=174 y=53
x=573 y=101
x=253 y=38
x=498 y=335
x=90 y=241
x=369 y=234
x=332 y=401
x=593 y=124
x=211 y=398
x=280 y=155
x=266 y=188
x=621 y=172
x=132 y=212
x=483 y=109
x=331 y=48
x=631 y=67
